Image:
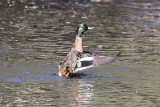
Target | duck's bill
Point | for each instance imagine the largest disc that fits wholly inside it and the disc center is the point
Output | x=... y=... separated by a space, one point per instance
x=90 y=27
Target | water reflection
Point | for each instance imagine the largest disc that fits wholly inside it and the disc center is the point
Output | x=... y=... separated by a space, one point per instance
x=78 y=92
x=84 y=93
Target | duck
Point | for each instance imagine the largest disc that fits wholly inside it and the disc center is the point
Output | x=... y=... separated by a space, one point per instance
x=77 y=59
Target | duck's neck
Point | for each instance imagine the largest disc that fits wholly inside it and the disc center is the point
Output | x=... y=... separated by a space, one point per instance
x=78 y=44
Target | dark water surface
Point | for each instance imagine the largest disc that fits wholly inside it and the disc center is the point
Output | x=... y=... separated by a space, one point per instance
x=35 y=35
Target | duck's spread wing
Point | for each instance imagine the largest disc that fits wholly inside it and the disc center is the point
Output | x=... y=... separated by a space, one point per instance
x=93 y=61
x=95 y=50
x=101 y=60
x=89 y=62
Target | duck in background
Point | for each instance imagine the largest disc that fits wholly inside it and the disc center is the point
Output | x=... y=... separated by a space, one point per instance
x=77 y=59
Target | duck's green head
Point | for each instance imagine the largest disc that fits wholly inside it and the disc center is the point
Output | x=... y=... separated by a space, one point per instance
x=81 y=29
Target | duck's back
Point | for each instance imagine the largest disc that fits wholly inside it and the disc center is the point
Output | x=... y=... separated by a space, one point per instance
x=70 y=60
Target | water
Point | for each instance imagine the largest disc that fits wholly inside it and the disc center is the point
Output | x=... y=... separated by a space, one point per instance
x=36 y=35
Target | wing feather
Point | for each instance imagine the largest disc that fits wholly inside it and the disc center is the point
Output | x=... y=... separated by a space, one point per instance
x=101 y=60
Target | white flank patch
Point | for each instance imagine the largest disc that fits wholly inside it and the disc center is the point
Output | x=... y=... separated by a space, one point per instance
x=82 y=68
x=86 y=59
